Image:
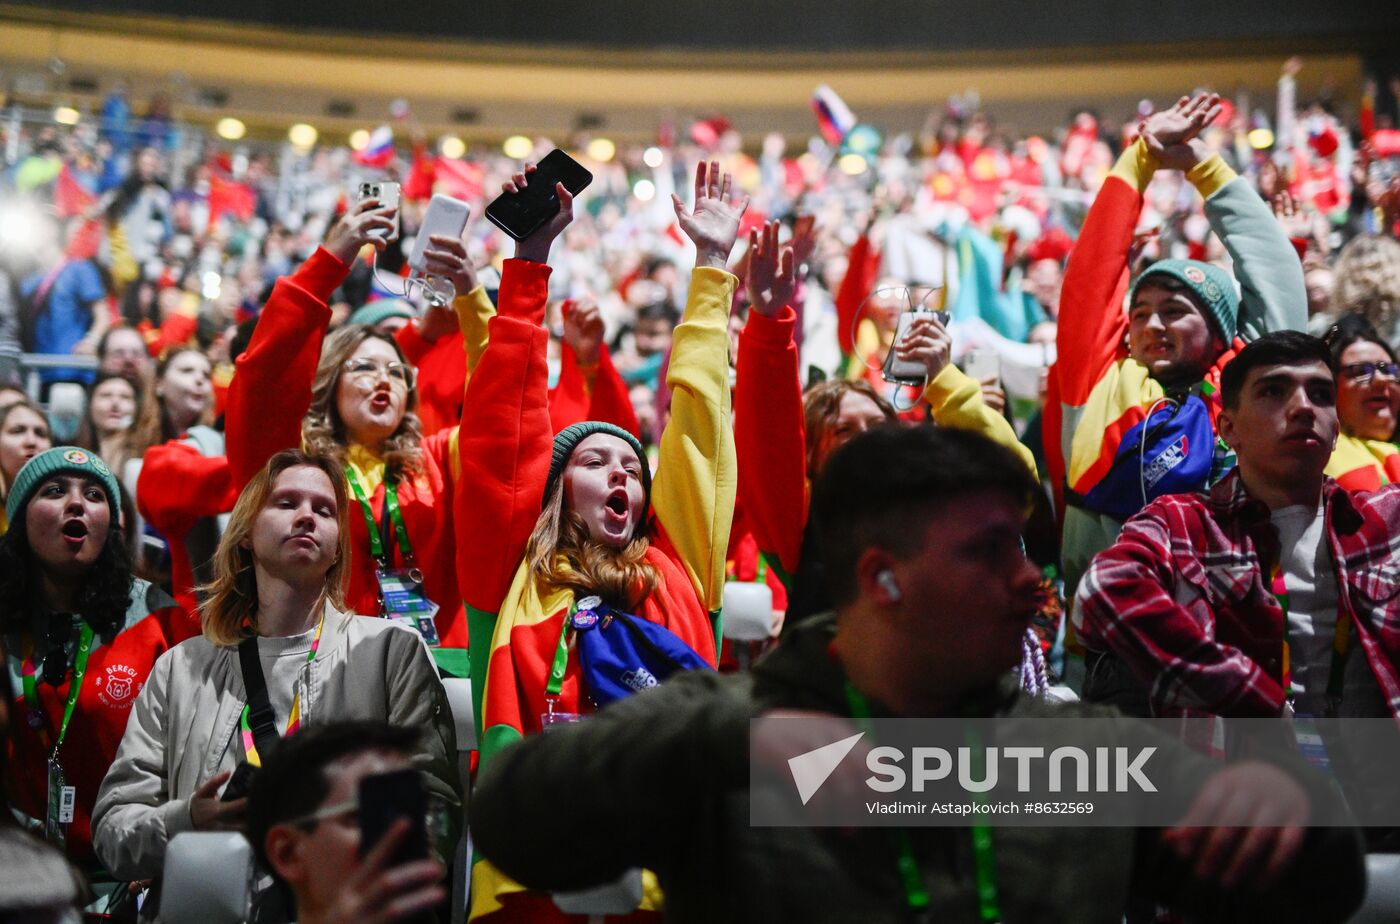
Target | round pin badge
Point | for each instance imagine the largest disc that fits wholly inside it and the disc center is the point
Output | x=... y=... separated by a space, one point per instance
x=75 y=457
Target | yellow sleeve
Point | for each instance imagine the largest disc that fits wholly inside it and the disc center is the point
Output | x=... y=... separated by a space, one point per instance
x=474 y=310
x=697 y=471
x=1135 y=166
x=1210 y=175
x=956 y=402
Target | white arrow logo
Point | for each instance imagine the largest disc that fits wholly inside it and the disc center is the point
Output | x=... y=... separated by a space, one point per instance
x=810 y=770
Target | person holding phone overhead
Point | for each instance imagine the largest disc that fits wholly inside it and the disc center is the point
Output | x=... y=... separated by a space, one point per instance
x=357 y=406
x=280 y=651
x=563 y=539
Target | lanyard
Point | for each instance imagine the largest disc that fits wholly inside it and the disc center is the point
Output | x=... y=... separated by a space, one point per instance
x=984 y=858
x=392 y=514
x=75 y=686
x=1341 y=642
x=250 y=748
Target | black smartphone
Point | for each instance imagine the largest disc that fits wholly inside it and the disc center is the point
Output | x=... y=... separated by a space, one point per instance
x=240 y=783
x=522 y=213
x=384 y=799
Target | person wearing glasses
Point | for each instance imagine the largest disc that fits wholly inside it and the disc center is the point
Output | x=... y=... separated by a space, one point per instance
x=1368 y=400
x=281 y=651
x=303 y=825
x=358 y=406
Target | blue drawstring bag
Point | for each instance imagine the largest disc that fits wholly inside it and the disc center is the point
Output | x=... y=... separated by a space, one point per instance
x=620 y=654
x=1177 y=458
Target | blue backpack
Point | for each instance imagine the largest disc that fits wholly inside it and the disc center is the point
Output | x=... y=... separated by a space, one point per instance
x=620 y=654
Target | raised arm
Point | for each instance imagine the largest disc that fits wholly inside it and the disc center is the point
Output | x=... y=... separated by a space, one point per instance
x=271 y=390
x=769 y=425
x=1133 y=603
x=697 y=474
x=590 y=387
x=505 y=439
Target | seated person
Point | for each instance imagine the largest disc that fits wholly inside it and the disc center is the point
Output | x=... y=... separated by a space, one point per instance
x=666 y=773
x=273 y=620
x=303 y=826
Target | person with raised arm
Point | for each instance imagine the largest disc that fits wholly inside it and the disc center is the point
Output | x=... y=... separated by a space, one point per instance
x=564 y=540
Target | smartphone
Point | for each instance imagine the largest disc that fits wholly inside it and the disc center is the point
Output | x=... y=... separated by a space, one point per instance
x=388 y=196
x=982 y=364
x=384 y=799
x=522 y=213
x=908 y=372
x=446 y=216
x=239 y=783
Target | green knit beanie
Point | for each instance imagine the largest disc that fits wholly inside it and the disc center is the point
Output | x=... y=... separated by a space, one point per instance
x=381 y=309
x=569 y=438
x=1212 y=287
x=51 y=462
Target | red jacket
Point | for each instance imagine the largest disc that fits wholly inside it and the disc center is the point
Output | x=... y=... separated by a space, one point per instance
x=116 y=672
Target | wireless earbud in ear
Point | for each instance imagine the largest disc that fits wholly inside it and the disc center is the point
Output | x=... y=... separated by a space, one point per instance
x=889 y=585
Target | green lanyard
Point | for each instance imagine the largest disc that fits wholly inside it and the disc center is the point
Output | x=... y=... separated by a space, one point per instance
x=391 y=503
x=560 y=666
x=75 y=686
x=984 y=859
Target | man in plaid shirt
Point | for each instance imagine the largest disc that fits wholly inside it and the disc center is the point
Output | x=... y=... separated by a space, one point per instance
x=1278 y=588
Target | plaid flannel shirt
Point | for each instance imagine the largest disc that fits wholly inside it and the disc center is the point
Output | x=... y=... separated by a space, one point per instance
x=1183 y=597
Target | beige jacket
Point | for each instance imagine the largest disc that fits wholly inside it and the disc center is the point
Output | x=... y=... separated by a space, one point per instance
x=181 y=725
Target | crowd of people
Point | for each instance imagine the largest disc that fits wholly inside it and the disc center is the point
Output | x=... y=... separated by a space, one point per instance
x=1145 y=462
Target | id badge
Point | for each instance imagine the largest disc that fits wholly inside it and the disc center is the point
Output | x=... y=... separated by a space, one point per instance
x=1310 y=743
x=405 y=602
x=61 y=801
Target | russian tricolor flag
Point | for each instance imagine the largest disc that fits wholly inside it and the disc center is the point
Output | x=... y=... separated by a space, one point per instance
x=834 y=117
x=380 y=149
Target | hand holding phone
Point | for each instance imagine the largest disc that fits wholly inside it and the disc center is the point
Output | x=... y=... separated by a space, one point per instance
x=387 y=195
x=538 y=201
x=358 y=227
x=921 y=347
x=384 y=799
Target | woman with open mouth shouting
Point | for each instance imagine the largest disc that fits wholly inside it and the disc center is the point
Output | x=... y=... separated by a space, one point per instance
x=564 y=541
x=82 y=635
x=358 y=405
x=1368 y=401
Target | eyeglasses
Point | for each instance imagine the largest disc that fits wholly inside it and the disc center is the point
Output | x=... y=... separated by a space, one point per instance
x=363 y=370
x=437 y=819
x=1362 y=373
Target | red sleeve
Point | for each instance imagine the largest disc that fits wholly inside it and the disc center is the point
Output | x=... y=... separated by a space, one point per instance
x=862 y=267
x=178 y=486
x=1091 y=327
x=770 y=439
x=505 y=441
x=271 y=388
x=412 y=343
x=572 y=402
x=176 y=330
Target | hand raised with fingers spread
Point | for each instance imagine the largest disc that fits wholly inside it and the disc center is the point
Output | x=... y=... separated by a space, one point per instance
x=713 y=224
x=772 y=276
x=583 y=330
x=1289 y=212
x=536 y=246
x=1171 y=135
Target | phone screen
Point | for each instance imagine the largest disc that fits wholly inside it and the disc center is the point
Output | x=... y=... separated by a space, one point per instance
x=384 y=799
x=521 y=214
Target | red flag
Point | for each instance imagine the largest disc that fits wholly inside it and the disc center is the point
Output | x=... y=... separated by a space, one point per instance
x=461 y=179
x=235 y=198
x=69 y=196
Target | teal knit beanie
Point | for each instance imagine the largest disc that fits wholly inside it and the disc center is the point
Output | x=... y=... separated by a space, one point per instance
x=569 y=438
x=1211 y=285
x=51 y=462
x=381 y=309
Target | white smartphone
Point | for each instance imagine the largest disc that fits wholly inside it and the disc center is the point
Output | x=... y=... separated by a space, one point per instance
x=908 y=372
x=446 y=216
x=982 y=364
x=388 y=196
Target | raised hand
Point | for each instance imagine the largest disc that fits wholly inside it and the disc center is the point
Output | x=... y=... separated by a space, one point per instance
x=1171 y=135
x=354 y=230
x=536 y=246
x=583 y=330
x=379 y=893
x=1289 y=212
x=927 y=343
x=772 y=276
x=804 y=239
x=713 y=224
x=448 y=258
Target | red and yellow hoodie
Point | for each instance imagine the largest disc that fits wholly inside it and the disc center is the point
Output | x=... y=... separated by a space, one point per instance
x=1105 y=395
x=770 y=432
x=270 y=396
x=1364 y=465
x=506 y=443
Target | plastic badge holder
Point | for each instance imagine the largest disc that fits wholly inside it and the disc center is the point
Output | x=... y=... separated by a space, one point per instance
x=622 y=896
x=748 y=611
